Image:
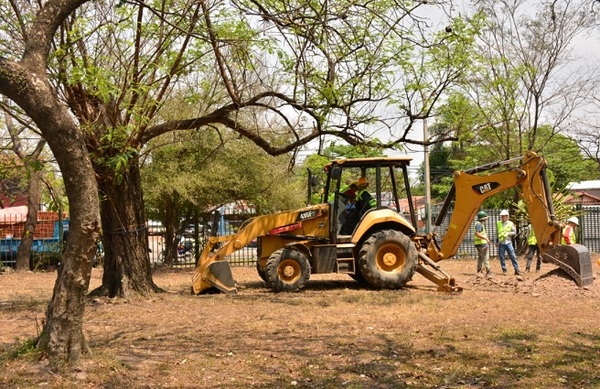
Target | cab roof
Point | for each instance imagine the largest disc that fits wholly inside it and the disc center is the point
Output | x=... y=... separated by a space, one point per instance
x=370 y=162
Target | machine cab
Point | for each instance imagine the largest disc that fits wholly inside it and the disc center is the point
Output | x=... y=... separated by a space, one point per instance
x=357 y=187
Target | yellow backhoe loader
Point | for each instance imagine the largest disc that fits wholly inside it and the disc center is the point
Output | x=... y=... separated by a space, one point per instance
x=376 y=242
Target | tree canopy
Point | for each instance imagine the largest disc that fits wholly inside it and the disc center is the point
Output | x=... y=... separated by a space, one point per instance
x=204 y=171
x=522 y=92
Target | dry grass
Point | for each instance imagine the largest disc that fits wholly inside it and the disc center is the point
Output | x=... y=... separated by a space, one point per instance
x=537 y=332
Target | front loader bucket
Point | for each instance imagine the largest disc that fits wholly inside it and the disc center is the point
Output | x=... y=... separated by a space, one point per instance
x=217 y=274
x=575 y=260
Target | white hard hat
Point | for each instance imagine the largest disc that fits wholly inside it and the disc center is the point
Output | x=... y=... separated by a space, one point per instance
x=504 y=212
x=574 y=220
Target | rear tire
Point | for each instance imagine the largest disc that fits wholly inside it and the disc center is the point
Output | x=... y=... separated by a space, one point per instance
x=388 y=259
x=287 y=270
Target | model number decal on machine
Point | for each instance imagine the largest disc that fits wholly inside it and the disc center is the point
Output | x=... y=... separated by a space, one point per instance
x=308 y=214
x=485 y=187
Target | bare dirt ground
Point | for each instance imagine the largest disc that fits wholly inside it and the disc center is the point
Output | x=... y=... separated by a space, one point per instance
x=536 y=331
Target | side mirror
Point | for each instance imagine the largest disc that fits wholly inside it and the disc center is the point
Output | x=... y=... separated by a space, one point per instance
x=336 y=173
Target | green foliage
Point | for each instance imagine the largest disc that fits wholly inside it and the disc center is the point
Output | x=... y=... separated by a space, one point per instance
x=478 y=145
x=437 y=67
x=198 y=172
x=335 y=61
x=513 y=105
x=560 y=195
x=26 y=348
x=335 y=150
x=46 y=259
x=55 y=197
x=36 y=165
x=565 y=158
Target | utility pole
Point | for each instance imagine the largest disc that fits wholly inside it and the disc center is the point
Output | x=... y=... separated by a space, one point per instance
x=426 y=181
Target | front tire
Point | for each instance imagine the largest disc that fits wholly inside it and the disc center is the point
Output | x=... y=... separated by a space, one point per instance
x=388 y=259
x=287 y=270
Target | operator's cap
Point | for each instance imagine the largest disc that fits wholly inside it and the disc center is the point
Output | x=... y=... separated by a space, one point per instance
x=504 y=212
x=574 y=220
x=362 y=182
x=481 y=215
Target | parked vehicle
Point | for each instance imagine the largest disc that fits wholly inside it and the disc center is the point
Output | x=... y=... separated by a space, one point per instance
x=46 y=246
x=185 y=251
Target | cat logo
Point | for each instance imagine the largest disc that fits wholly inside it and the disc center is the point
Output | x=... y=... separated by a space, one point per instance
x=485 y=187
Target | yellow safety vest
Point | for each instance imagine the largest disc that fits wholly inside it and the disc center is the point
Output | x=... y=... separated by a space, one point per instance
x=372 y=200
x=531 y=239
x=477 y=240
x=504 y=230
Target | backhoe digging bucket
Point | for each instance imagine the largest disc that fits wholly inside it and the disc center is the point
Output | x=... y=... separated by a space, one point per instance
x=575 y=260
x=217 y=274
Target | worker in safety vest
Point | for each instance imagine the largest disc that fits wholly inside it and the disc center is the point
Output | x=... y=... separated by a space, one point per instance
x=568 y=233
x=532 y=249
x=505 y=230
x=482 y=244
x=346 y=191
x=346 y=204
x=364 y=200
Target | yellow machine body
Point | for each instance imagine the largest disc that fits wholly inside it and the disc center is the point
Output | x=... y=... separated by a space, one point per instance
x=384 y=248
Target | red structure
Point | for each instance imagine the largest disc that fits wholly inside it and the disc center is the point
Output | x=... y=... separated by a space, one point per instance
x=12 y=223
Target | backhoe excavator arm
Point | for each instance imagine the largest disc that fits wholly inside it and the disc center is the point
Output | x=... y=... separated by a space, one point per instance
x=470 y=190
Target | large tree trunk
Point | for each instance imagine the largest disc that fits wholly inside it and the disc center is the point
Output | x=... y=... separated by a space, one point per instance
x=26 y=83
x=126 y=261
x=62 y=336
x=33 y=201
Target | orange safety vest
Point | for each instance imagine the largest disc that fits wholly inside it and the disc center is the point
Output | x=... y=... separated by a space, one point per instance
x=568 y=233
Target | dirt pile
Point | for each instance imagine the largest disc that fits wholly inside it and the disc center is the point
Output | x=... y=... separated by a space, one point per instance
x=546 y=283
